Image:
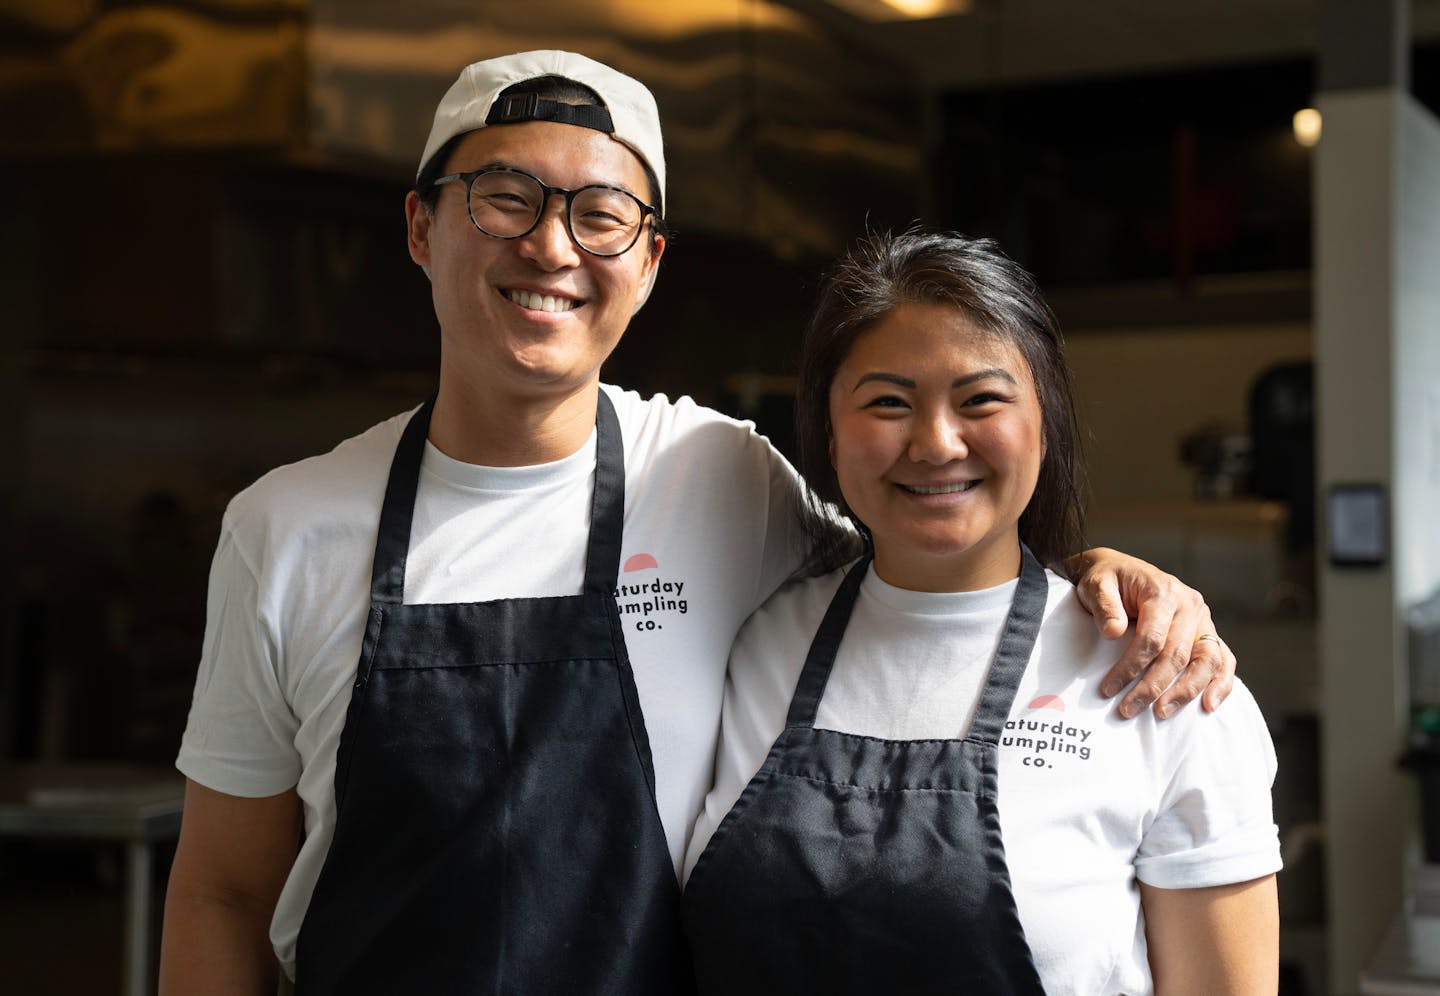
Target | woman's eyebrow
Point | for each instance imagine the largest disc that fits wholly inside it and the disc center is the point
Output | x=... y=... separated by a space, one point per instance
x=982 y=375
x=888 y=378
x=899 y=381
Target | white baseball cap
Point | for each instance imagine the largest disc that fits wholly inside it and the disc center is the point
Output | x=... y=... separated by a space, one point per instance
x=629 y=114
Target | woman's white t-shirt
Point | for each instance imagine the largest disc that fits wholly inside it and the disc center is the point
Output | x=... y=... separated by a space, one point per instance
x=1089 y=803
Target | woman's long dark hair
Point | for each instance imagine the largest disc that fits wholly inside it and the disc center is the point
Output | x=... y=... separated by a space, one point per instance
x=999 y=297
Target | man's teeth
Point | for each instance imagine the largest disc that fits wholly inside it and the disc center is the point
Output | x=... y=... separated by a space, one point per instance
x=541 y=302
x=941 y=489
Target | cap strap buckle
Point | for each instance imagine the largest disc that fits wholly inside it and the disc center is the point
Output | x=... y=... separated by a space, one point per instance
x=530 y=107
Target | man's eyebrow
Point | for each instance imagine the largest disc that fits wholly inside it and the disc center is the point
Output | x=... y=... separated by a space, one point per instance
x=502 y=164
x=899 y=381
x=507 y=164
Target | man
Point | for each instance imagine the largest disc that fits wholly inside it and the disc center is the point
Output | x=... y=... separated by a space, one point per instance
x=462 y=675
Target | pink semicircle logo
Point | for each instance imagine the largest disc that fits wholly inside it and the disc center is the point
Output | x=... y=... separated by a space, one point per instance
x=1047 y=702
x=641 y=562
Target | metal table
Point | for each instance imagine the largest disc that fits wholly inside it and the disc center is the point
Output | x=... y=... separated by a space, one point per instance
x=1408 y=962
x=137 y=805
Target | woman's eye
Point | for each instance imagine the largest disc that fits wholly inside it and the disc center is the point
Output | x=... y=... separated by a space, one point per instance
x=886 y=401
x=982 y=399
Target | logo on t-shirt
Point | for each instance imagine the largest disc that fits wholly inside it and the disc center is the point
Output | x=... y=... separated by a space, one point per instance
x=1043 y=732
x=646 y=597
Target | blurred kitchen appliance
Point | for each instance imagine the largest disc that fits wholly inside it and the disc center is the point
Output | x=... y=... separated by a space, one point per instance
x=1282 y=455
x=1422 y=625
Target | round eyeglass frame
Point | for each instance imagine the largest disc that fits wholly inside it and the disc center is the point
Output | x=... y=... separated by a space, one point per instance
x=469 y=177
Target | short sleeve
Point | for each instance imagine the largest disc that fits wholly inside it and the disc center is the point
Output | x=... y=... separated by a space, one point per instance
x=1215 y=825
x=240 y=736
x=785 y=541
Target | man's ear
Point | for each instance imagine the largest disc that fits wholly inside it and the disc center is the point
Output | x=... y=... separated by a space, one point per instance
x=418 y=220
x=649 y=278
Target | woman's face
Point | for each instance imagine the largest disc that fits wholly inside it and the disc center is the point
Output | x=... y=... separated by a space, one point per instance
x=936 y=438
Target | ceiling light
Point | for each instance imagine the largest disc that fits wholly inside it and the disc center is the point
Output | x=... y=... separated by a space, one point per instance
x=1306 y=125
x=903 y=10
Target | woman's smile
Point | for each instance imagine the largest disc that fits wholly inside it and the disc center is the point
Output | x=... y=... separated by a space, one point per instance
x=960 y=487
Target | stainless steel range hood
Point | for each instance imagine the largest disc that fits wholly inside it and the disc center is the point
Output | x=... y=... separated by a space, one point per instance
x=769 y=118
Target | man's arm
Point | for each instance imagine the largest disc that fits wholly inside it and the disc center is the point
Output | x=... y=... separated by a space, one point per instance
x=232 y=859
x=1221 y=940
x=1175 y=643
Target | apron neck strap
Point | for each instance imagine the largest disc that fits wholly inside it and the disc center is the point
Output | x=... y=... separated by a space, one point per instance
x=1017 y=641
x=1022 y=626
x=816 y=675
x=607 y=507
x=392 y=543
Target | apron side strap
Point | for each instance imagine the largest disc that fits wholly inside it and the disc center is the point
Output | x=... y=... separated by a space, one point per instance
x=607 y=508
x=821 y=658
x=1017 y=641
x=392 y=541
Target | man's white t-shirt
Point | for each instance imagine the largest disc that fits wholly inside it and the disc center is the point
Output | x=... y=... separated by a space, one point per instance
x=710 y=531
x=1089 y=803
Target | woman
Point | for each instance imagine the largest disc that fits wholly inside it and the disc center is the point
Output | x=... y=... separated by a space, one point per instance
x=949 y=804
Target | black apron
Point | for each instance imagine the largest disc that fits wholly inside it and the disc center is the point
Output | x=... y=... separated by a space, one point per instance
x=496 y=826
x=852 y=864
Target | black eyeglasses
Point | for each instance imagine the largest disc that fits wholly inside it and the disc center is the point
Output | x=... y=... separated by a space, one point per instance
x=508 y=203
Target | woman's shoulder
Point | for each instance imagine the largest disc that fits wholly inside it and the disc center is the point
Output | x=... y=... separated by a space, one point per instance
x=783 y=627
x=797 y=604
x=1067 y=621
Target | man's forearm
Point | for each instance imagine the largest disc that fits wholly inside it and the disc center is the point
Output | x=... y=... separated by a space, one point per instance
x=230 y=866
x=216 y=945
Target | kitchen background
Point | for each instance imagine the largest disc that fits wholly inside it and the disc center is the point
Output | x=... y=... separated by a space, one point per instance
x=204 y=274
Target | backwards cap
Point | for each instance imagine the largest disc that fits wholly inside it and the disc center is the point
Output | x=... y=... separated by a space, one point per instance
x=629 y=115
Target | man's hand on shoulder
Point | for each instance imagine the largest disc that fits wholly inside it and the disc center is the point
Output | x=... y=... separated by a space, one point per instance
x=1174 y=646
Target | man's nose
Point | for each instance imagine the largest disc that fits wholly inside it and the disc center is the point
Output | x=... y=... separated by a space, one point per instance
x=549 y=244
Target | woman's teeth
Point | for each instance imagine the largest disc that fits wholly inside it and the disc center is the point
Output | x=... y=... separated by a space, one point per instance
x=541 y=302
x=939 y=489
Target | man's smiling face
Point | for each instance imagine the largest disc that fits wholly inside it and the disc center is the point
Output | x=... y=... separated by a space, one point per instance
x=536 y=314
